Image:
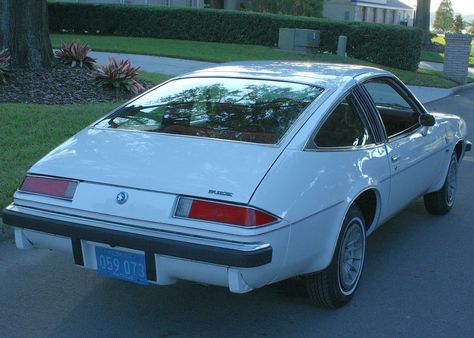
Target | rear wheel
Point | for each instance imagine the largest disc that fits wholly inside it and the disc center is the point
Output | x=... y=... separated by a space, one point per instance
x=440 y=202
x=335 y=286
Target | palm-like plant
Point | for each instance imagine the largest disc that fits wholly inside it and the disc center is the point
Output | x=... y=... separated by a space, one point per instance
x=75 y=55
x=119 y=75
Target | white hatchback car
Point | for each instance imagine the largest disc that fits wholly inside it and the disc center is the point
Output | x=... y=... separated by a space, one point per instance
x=243 y=175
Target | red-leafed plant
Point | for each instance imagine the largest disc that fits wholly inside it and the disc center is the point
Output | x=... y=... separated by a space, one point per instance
x=119 y=75
x=75 y=55
x=5 y=71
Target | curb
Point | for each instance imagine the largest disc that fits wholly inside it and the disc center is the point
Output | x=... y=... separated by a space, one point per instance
x=462 y=88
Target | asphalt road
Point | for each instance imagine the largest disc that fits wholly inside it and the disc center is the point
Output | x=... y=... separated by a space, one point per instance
x=418 y=282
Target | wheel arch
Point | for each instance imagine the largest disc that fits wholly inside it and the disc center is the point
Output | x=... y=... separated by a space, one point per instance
x=458 y=149
x=368 y=201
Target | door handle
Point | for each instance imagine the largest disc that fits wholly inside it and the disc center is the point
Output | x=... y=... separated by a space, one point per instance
x=395 y=158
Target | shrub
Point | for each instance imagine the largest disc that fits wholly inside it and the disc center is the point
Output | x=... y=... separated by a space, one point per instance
x=5 y=71
x=75 y=54
x=390 y=45
x=119 y=75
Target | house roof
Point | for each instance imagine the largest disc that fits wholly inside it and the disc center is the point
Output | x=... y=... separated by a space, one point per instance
x=392 y=4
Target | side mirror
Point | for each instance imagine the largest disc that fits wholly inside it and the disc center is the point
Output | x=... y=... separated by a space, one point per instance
x=427 y=120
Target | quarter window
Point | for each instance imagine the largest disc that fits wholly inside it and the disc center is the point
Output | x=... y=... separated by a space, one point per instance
x=398 y=115
x=344 y=127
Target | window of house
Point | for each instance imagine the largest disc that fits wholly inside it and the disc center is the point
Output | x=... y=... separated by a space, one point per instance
x=398 y=115
x=344 y=127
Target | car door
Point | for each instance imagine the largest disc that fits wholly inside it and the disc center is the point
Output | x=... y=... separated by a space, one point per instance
x=415 y=152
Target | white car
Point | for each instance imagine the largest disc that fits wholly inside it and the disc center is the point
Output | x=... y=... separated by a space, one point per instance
x=242 y=175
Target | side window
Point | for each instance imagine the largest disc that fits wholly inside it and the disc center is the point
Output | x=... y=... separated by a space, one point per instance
x=344 y=127
x=398 y=116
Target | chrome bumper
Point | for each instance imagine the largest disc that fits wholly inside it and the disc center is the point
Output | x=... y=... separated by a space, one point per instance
x=234 y=254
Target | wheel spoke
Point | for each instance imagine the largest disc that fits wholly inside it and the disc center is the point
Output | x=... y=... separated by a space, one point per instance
x=351 y=255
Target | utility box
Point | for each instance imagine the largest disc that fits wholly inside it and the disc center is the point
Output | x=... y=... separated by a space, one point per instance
x=301 y=40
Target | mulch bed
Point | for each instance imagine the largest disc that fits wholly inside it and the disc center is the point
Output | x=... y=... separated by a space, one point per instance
x=59 y=85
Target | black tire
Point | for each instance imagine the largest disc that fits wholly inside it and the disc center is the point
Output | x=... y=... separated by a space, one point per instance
x=328 y=288
x=440 y=202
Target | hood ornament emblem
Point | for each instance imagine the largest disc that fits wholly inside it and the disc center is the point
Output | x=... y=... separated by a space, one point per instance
x=122 y=197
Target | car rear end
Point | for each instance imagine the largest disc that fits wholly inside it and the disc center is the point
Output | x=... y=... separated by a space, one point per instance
x=159 y=190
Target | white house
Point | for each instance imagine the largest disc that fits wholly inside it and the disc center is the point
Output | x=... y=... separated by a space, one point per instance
x=379 y=11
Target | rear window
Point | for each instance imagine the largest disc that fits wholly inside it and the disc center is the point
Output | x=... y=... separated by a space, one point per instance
x=247 y=110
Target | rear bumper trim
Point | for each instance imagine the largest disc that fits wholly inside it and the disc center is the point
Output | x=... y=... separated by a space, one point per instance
x=149 y=244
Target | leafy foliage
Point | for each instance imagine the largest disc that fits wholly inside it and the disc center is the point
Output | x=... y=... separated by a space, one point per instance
x=470 y=30
x=5 y=71
x=75 y=55
x=289 y=7
x=119 y=75
x=444 y=17
x=401 y=46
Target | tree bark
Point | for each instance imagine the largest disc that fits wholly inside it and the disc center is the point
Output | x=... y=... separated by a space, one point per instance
x=24 y=31
x=422 y=19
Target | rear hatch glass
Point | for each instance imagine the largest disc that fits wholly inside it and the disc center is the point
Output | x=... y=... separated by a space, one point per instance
x=248 y=110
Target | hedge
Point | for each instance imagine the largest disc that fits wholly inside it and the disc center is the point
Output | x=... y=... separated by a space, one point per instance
x=389 y=45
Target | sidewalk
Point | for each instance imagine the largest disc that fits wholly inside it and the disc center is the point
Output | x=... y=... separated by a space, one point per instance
x=173 y=66
x=439 y=67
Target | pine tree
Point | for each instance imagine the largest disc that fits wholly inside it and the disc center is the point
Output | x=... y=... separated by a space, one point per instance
x=458 y=23
x=444 y=18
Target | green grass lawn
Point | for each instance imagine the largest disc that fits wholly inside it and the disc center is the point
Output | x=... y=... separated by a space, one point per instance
x=223 y=52
x=152 y=77
x=439 y=57
x=29 y=131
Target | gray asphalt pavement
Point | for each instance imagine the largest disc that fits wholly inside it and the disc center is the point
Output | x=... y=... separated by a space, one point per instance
x=417 y=283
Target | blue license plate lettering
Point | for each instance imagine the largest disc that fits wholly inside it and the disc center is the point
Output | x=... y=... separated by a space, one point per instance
x=121 y=264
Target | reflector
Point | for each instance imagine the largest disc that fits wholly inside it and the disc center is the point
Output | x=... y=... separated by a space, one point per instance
x=49 y=186
x=222 y=213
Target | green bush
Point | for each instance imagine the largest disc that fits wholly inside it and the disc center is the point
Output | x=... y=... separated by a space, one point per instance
x=394 y=46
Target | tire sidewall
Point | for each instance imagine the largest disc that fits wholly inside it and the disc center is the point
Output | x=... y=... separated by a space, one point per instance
x=354 y=216
x=453 y=161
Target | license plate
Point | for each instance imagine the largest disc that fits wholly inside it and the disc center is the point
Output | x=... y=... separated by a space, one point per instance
x=121 y=264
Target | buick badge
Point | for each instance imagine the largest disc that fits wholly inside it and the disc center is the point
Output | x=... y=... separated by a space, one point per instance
x=122 y=197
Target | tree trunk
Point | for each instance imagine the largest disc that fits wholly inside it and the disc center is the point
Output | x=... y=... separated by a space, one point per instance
x=24 y=31
x=422 y=19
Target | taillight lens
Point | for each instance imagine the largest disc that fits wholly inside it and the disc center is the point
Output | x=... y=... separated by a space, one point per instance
x=222 y=213
x=49 y=186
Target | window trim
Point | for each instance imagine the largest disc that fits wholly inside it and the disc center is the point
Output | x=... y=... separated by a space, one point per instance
x=283 y=139
x=398 y=86
x=311 y=144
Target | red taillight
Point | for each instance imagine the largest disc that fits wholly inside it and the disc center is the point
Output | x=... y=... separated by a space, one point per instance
x=54 y=187
x=222 y=213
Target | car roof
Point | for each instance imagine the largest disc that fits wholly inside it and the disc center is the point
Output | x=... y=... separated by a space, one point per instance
x=326 y=75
